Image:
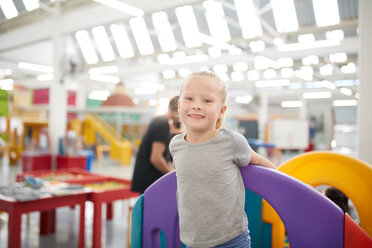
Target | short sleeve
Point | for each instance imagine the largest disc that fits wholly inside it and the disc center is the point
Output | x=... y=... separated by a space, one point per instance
x=161 y=131
x=242 y=150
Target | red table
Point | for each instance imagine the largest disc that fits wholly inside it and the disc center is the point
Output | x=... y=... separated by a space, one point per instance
x=98 y=197
x=70 y=175
x=15 y=209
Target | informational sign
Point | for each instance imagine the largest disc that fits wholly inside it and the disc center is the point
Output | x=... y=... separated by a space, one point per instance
x=289 y=133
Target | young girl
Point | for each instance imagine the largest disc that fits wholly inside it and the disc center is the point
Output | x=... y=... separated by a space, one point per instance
x=210 y=189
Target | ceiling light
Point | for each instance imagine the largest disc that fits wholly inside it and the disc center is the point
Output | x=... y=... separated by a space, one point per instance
x=337 y=34
x=8 y=8
x=326 y=70
x=164 y=31
x=216 y=21
x=6 y=84
x=272 y=83
x=126 y=8
x=304 y=46
x=45 y=77
x=284 y=15
x=346 y=91
x=250 y=24
x=243 y=99
x=234 y=50
x=104 y=78
x=328 y=84
x=326 y=12
x=317 y=95
x=344 y=103
x=278 y=41
x=141 y=35
x=86 y=47
x=31 y=4
x=100 y=95
x=257 y=46
x=262 y=63
x=35 y=67
x=305 y=72
x=103 y=43
x=184 y=72
x=169 y=74
x=349 y=68
x=306 y=38
x=122 y=42
x=104 y=69
x=338 y=57
x=291 y=104
x=189 y=27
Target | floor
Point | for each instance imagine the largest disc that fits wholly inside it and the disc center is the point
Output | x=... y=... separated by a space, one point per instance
x=114 y=232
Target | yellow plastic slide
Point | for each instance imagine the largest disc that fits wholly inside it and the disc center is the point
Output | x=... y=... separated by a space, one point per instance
x=121 y=148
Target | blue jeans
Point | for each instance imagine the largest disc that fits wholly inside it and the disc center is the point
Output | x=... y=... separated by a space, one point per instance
x=242 y=241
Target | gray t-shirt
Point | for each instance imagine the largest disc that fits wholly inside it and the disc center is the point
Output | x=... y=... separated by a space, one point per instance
x=210 y=189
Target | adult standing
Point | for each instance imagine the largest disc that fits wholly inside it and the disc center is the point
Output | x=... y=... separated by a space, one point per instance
x=151 y=161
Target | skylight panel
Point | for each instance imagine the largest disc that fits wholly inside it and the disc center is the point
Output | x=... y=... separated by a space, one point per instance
x=251 y=26
x=216 y=21
x=326 y=12
x=103 y=43
x=121 y=6
x=284 y=15
x=120 y=35
x=164 y=31
x=189 y=27
x=31 y=4
x=9 y=9
x=86 y=47
x=141 y=35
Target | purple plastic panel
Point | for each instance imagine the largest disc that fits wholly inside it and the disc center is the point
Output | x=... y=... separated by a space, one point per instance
x=160 y=213
x=310 y=219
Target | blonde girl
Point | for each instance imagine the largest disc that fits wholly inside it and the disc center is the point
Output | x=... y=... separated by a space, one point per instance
x=210 y=189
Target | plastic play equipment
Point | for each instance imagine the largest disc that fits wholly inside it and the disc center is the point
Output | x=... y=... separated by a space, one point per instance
x=350 y=175
x=311 y=220
x=120 y=148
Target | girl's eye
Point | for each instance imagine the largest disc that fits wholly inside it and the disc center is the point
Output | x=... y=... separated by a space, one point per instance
x=188 y=98
x=207 y=101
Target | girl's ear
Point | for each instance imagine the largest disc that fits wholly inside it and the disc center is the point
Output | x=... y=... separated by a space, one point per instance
x=222 y=111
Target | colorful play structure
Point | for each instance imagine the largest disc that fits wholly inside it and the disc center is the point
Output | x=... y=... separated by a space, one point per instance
x=310 y=219
x=120 y=148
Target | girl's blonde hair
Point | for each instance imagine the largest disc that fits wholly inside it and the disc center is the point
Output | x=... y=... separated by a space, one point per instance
x=217 y=79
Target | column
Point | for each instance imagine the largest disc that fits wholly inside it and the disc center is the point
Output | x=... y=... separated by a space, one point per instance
x=365 y=79
x=57 y=90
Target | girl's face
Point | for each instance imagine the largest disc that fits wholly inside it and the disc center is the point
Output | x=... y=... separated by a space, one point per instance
x=200 y=104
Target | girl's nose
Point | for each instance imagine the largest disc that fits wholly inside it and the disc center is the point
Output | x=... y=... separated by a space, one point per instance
x=195 y=106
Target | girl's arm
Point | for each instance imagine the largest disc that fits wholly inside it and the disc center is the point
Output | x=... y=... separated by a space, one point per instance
x=260 y=160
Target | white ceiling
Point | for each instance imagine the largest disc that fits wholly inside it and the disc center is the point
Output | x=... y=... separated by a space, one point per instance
x=28 y=38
